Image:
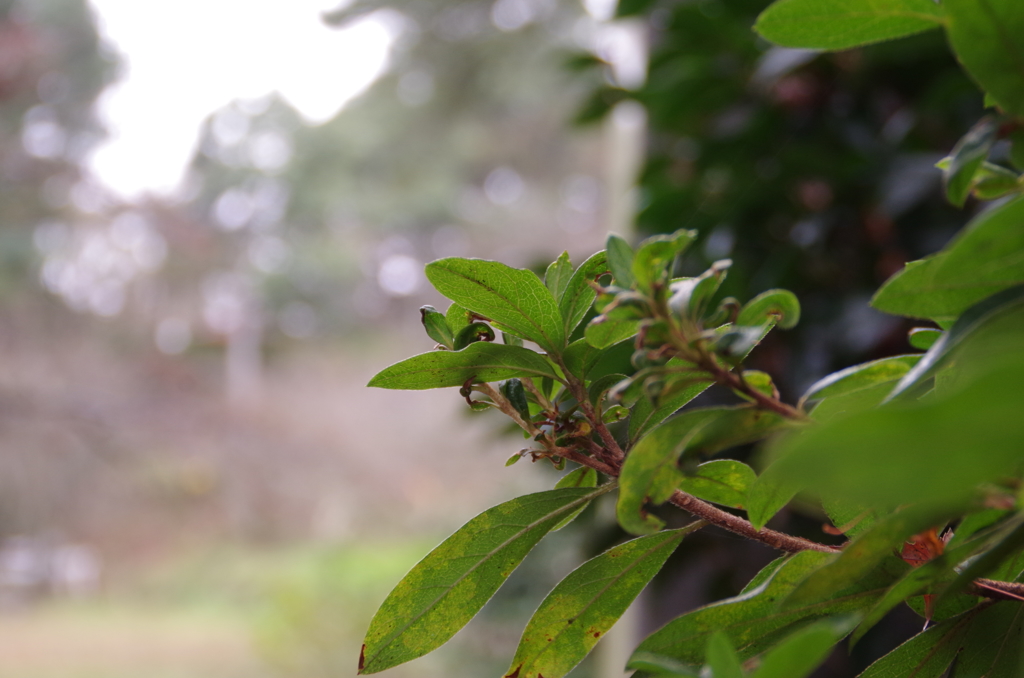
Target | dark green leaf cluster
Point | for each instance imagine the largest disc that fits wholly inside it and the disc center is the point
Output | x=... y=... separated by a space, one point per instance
x=917 y=459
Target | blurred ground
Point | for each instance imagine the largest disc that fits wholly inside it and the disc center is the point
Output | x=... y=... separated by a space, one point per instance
x=116 y=643
x=229 y=542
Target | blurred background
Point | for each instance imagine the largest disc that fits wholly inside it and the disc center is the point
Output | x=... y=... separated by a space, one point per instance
x=213 y=221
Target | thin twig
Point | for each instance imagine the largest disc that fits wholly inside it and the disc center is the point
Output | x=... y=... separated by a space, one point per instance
x=984 y=588
x=542 y=400
x=608 y=460
x=730 y=379
x=712 y=514
x=579 y=391
x=584 y=460
x=506 y=408
x=742 y=527
x=997 y=590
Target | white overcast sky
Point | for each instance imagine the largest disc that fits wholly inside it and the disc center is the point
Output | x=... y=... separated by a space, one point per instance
x=187 y=59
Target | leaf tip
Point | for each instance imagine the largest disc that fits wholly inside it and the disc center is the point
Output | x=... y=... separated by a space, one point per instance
x=362 y=657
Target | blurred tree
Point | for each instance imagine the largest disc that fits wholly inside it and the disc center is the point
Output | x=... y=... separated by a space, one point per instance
x=51 y=70
x=461 y=144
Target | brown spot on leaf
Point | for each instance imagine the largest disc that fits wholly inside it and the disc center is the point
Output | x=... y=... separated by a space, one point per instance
x=515 y=674
x=362 y=657
x=597 y=634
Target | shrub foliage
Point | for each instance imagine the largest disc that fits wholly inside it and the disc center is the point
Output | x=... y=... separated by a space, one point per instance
x=917 y=459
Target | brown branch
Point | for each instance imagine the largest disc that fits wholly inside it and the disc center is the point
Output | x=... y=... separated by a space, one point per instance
x=541 y=398
x=579 y=391
x=584 y=460
x=984 y=588
x=506 y=408
x=610 y=464
x=742 y=527
x=712 y=514
x=730 y=379
x=611 y=445
x=997 y=590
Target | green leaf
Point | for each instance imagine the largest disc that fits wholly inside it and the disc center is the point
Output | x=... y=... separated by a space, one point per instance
x=515 y=394
x=615 y=413
x=651 y=471
x=581 y=477
x=766 y=573
x=911 y=292
x=924 y=338
x=864 y=554
x=1012 y=566
x=966 y=159
x=691 y=296
x=801 y=652
x=481 y=361
x=511 y=339
x=580 y=357
x=974 y=522
x=852 y=519
x=655 y=255
x=450 y=585
x=472 y=333
x=994 y=181
x=985 y=318
x=722 y=481
x=780 y=305
x=759 y=381
x=987 y=562
x=597 y=390
x=982 y=260
x=860 y=377
x=926 y=655
x=852 y=402
x=988 y=38
x=620 y=260
x=915 y=581
x=753 y=620
x=514 y=299
x=984 y=641
x=603 y=332
x=579 y=295
x=457 y=318
x=993 y=644
x=557 y=277
x=585 y=605
x=646 y=415
x=437 y=327
x=1016 y=138
x=768 y=494
x=722 y=657
x=842 y=24
x=657 y=665
x=935 y=450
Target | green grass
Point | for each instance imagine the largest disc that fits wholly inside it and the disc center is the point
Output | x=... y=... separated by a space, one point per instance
x=225 y=612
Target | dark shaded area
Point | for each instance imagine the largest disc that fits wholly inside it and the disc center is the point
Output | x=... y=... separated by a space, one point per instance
x=811 y=172
x=814 y=173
